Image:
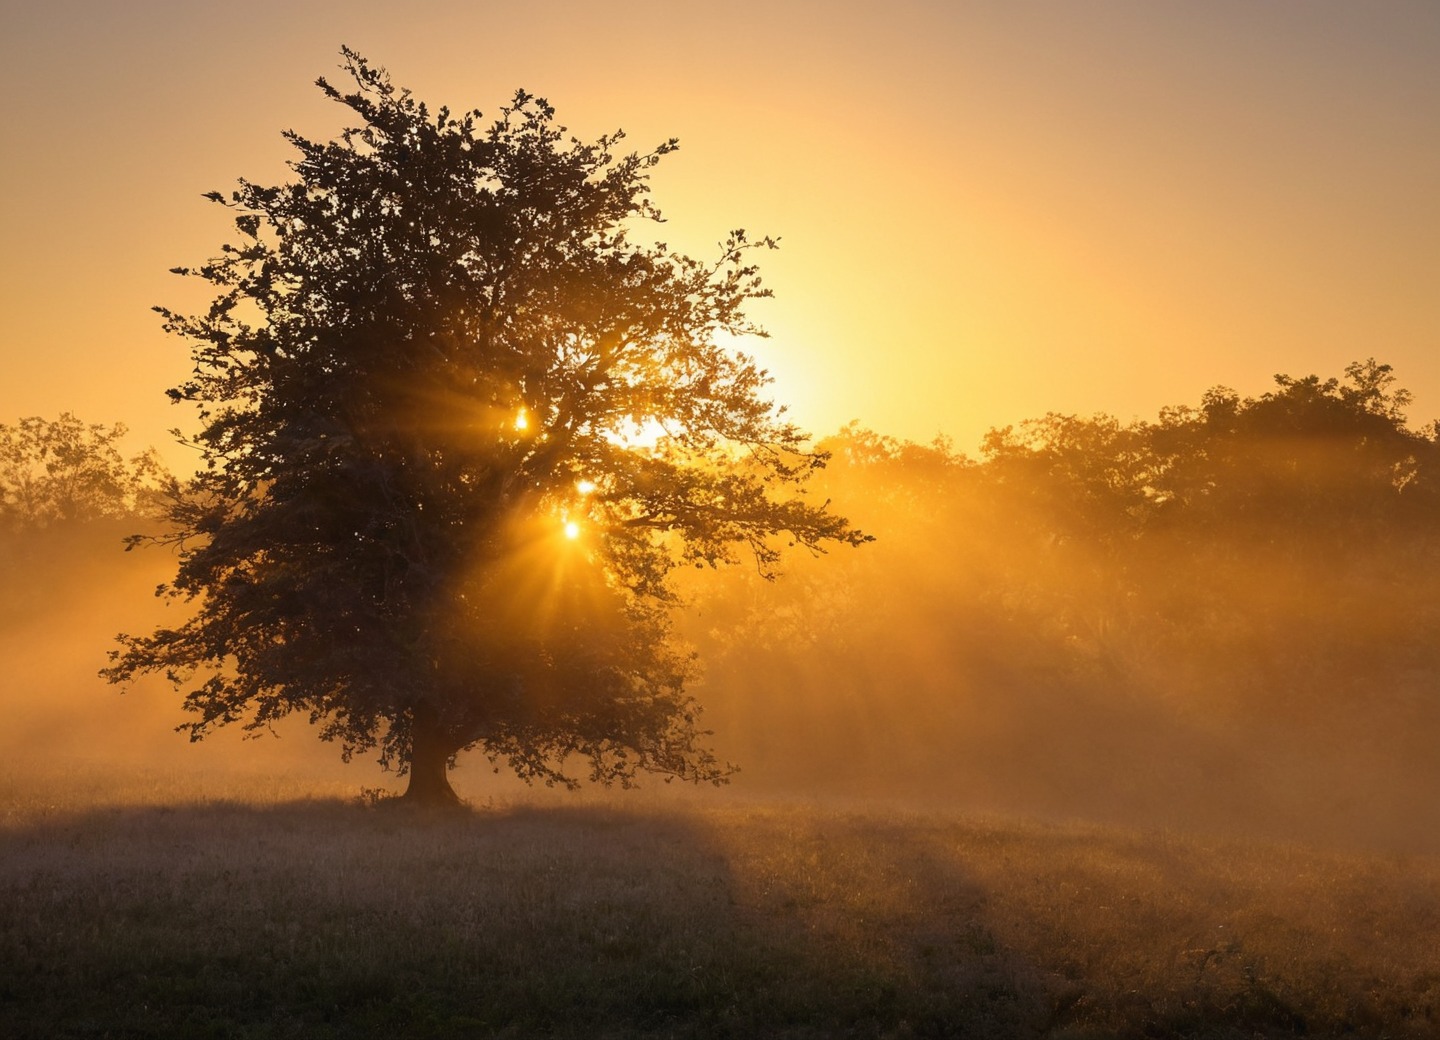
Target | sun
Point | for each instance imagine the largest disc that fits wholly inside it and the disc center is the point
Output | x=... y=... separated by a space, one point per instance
x=639 y=433
x=572 y=530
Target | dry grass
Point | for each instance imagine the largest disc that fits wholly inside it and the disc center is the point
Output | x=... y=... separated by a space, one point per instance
x=236 y=913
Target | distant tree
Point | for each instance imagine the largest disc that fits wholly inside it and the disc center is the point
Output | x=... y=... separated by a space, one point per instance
x=457 y=432
x=1249 y=542
x=1313 y=456
x=56 y=472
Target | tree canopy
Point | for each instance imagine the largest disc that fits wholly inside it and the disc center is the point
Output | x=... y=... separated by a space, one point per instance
x=1218 y=608
x=66 y=471
x=458 y=430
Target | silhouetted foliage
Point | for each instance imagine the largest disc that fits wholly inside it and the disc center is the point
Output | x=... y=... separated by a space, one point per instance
x=65 y=472
x=69 y=496
x=429 y=353
x=1101 y=606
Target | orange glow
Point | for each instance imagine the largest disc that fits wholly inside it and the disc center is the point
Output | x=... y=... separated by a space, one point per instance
x=522 y=420
x=1089 y=208
x=640 y=433
x=572 y=530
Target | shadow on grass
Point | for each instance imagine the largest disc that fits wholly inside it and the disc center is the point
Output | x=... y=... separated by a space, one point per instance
x=325 y=919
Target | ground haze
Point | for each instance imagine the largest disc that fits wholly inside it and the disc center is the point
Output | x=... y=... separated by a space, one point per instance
x=146 y=910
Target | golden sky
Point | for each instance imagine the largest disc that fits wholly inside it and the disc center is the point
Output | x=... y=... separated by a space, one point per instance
x=988 y=210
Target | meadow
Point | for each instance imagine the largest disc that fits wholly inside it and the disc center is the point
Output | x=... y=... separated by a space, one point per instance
x=132 y=908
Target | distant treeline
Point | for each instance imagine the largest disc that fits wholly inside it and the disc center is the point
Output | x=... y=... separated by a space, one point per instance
x=1231 y=610
x=65 y=472
x=1106 y=610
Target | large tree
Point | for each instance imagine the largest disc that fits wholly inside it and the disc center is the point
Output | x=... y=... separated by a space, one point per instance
x=457 y=431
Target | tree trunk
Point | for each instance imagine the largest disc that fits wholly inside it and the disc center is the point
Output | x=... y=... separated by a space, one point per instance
x=430 y=752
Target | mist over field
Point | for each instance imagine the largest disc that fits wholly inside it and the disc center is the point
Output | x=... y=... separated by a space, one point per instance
x=987 y=652
x=1115 y=729
x=1201 y=623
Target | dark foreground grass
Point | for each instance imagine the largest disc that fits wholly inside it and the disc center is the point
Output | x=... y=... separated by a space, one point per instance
x=620 y=919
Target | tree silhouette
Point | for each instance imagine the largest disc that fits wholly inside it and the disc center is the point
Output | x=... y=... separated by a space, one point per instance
x=65 y=471
x=1089 y=594
x=458 y=430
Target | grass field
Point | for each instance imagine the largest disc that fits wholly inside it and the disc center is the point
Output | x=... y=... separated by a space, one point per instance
x=126 y=912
